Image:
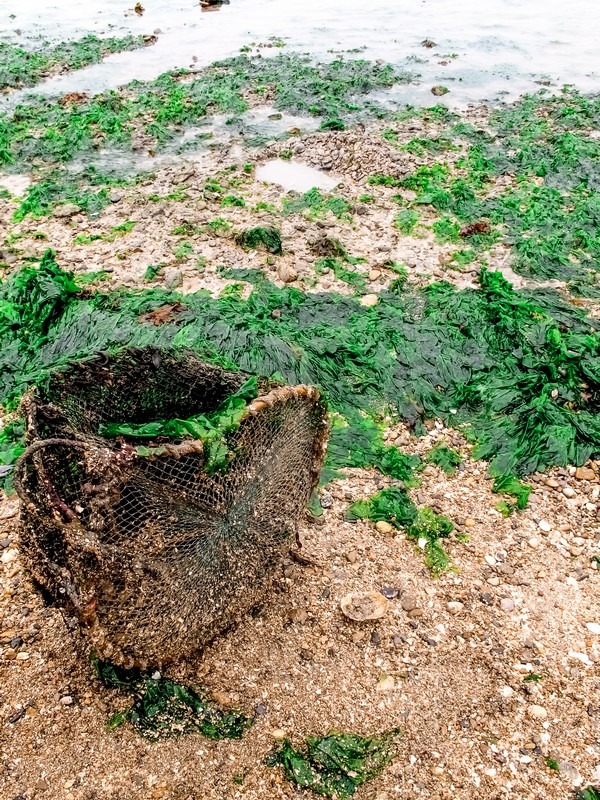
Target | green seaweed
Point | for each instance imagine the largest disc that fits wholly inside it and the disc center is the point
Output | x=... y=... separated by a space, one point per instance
x=337 y=764
x=318 y=205
x=268 y=239
x=162 y=708
x=445 y=458
x=423 y=526
x=589 y=793
x=20 y=68
x=212 y=428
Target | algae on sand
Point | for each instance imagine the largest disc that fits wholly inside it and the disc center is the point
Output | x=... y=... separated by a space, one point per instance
x=337 y=764
x=162 y=708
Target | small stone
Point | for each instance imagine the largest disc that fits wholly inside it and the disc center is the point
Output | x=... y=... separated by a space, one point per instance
x=8 y=556
x=593 y=627
x=470 y=522
x=390 y=592
x=545 y=526
x=173 y=278
x=552 y=483
x=115 y=197
x=415 y=613
x=376 y=638
x=22 y=656
x=352 y=556
x=568 y=491
x=358 y=636
x=287 y=273
x=454 y=607
x=409 y=602
x=537 y=712
x=533 y=542
x=384 y=527
x=507 y=604
x=67 y=700
x=369 y=300
x=585 y=474
x=374 y=274
x=66 y=210
x=494 y=580
x=260 y=710
x=278 y=734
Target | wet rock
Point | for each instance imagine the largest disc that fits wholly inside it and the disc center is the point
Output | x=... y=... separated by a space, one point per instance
x=363 y=606
x=439 y=91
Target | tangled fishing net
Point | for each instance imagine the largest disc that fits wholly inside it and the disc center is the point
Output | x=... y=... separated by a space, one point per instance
x=159 y=493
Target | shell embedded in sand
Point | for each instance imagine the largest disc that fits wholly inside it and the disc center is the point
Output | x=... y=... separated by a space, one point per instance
x=364 y=605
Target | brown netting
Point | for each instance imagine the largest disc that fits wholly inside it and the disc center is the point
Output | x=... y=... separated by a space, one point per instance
x=154 y=554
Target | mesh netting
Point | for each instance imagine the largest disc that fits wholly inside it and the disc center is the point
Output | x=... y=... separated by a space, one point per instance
x=155 y=553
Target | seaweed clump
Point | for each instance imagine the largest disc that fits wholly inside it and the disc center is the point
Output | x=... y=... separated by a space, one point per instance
x=268 y=239
x=162 y=708
x=337 y=764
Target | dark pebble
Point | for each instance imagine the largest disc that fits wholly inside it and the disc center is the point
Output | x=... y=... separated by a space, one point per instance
x=389 y=591
x=487 y=598
x=375 y=638
x=16 y=642
x=260 y=710
x=4 y=543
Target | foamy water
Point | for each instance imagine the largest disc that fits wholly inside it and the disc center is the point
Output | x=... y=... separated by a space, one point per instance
x=492 y=50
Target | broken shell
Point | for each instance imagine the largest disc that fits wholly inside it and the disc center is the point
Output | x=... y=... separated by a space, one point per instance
x=364 y=606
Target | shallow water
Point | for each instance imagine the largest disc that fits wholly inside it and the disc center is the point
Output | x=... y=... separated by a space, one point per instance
x=489 y=51
x=293 y=176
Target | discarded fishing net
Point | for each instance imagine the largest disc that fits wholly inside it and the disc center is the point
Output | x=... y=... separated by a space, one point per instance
x=159 y=493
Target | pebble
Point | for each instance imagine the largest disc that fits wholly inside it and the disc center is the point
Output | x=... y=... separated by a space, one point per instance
x=470 y=522
x=173 y=278
x=384 y=527
x=545 y=526
x=278 y=734
x=455 y=607
x=386 y=684
x=67 y=700
x=507 y=604
x=22 y=656
x=494 y=580
x=585 y=474
x=568 y=491
x=8 y=556
x=389 y=591
x=409 y=602
x=533 y=542
x=66 y=210
x=369 y=300
x=537 y=712
x=287 y=273
x=593 y=627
